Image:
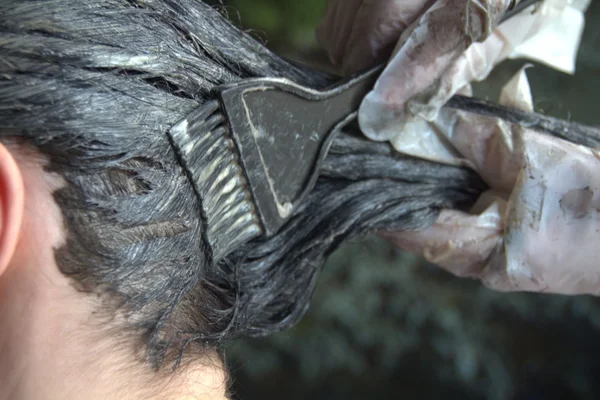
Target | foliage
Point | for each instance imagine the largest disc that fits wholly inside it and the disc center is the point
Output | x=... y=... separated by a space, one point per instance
x=283 y=24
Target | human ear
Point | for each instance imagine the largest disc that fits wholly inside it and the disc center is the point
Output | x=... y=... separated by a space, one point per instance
x=11 y=206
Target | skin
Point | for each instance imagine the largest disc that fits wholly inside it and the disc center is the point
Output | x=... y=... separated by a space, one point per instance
x=53 y=343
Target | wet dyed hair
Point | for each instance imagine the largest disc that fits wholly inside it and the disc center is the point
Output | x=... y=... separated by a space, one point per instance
x=96 y=85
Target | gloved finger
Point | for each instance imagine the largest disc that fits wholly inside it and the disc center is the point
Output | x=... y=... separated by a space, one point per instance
x=449 y=137
x=458 y=242
x=358 y=34
x=376 y=30
x=473 y=65
x=335 y=29
x=492 y=146
x=439 y=37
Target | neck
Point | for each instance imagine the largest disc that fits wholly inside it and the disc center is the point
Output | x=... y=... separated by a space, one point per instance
x=52 y=343
x=52 y=348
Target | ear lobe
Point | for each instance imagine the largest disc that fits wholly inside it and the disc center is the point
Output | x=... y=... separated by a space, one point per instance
x=11 y=206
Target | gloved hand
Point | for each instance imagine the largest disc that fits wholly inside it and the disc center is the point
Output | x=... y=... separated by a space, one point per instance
x=440 y=47
x=538 y=228
x=432 y=37
x=545 y=194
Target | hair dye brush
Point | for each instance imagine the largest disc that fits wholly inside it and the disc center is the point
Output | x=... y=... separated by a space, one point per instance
x=254 y=154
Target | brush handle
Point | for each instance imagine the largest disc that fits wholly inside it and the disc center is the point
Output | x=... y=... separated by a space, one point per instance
x=282 y=132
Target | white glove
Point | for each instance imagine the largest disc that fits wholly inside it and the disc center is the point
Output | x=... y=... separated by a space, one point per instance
x=440 y=47
x=538 y=229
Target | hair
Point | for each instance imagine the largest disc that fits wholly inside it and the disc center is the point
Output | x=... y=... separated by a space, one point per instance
x=96 y=85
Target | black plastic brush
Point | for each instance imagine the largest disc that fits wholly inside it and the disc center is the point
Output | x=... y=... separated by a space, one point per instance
x=255 y=153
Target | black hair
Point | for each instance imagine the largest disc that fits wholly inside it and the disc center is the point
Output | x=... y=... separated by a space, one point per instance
x=96 y=85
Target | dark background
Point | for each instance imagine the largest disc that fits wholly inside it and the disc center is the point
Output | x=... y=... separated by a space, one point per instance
x=385 y=325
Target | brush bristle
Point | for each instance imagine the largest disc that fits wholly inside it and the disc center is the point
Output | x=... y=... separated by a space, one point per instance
x=210 y=157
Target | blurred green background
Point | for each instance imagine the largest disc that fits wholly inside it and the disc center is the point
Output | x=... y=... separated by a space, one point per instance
x=385 y=325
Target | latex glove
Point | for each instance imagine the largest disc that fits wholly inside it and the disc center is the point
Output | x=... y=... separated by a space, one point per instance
x=539 y=228
x=441 y=46
x=358 y=34
x=549 y=32
x=439 y=32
